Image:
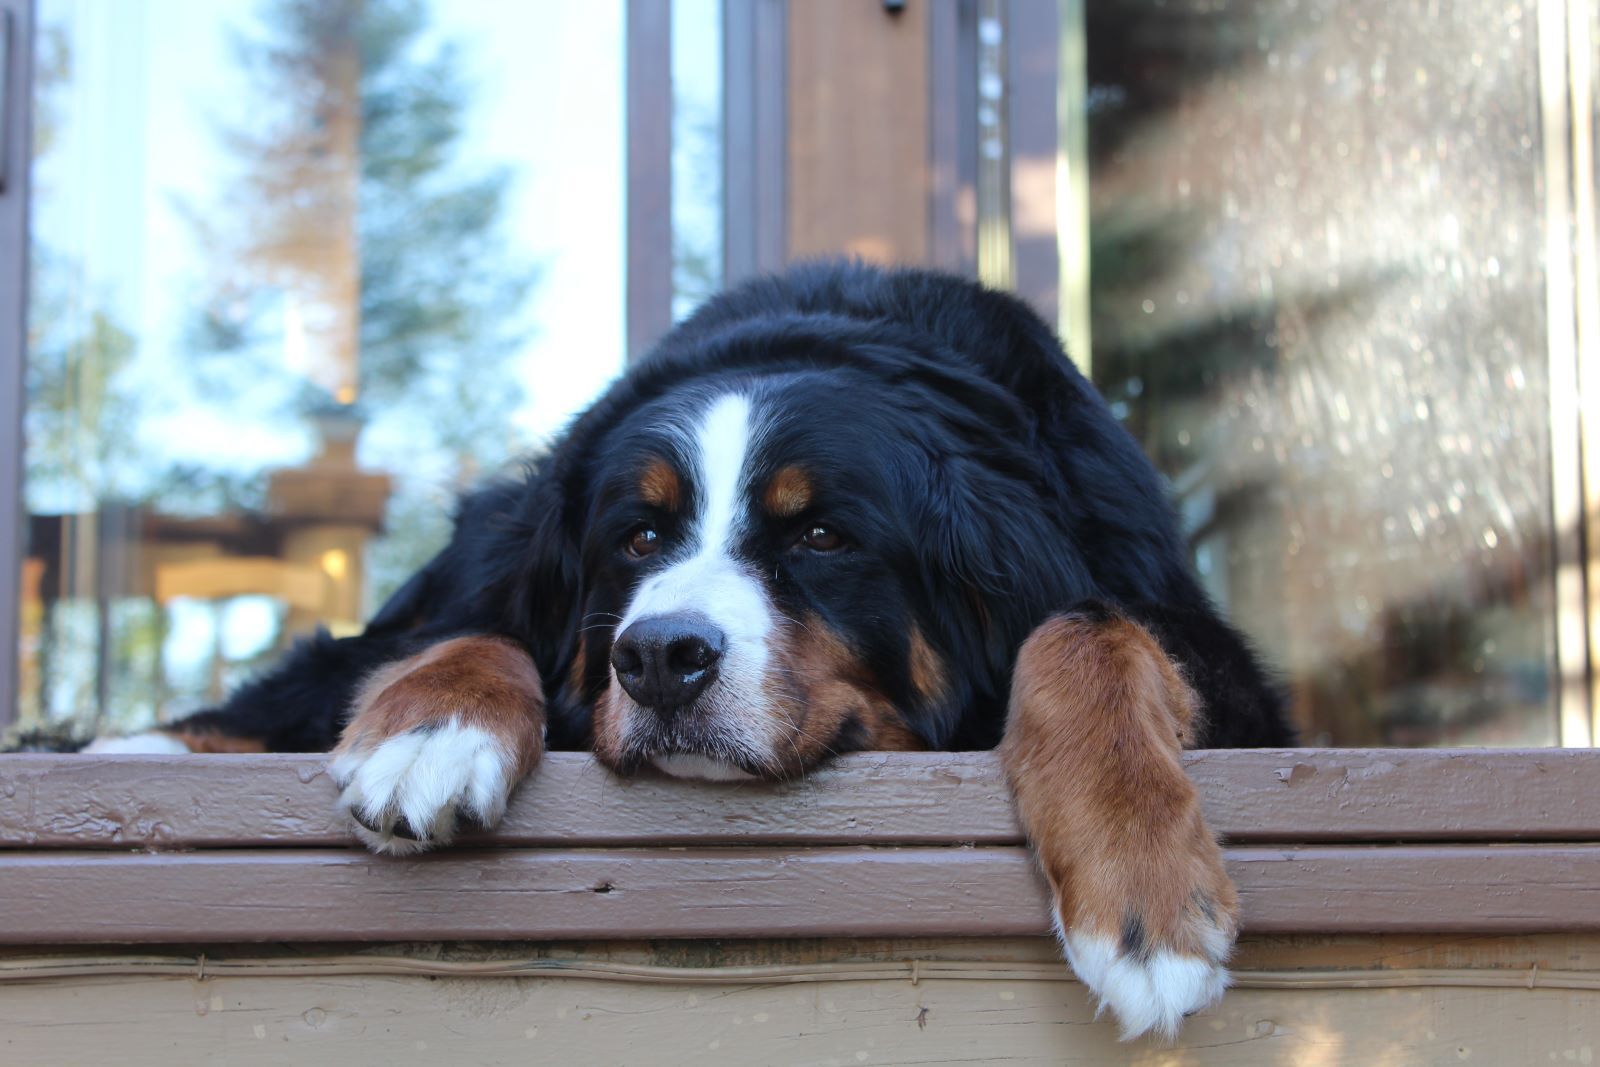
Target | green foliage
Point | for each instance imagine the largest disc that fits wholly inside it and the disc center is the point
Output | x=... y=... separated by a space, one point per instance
x=78 y=418
x=71 y=385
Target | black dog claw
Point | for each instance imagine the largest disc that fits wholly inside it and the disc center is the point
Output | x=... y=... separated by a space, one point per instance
x=404 y=829
x=355 y=813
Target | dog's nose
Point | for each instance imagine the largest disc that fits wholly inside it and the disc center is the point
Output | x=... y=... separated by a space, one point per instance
x=665 y=661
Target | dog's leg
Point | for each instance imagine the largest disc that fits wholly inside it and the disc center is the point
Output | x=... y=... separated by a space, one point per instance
x=1143 y=908
x=442 y=736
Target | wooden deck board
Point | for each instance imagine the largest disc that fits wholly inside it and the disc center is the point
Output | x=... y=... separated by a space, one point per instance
x=346 y=895
x=1250 y=797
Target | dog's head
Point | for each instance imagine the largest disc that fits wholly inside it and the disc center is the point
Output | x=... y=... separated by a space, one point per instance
x=791 y=535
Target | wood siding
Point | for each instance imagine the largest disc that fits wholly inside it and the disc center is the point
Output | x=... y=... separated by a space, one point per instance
x=1377 y=1002
x=858 y=131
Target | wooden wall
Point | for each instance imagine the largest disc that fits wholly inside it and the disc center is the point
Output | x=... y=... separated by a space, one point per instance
x=1372 y=1002
x=858 y=131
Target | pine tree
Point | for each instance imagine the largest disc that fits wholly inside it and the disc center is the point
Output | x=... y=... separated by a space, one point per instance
x=354 y=224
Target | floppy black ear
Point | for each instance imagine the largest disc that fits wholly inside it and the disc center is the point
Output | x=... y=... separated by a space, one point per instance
x=540 y=589
x=992 y=535
x=510 y=568
x=1107 y=497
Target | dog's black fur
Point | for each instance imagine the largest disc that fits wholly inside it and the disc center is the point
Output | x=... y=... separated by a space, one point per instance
x=982 y=483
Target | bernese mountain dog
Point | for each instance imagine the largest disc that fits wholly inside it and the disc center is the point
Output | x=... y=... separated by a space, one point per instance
x=835 y=510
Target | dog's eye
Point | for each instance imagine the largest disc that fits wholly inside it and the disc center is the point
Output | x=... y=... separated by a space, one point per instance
x=642 y=542
x=822 y=539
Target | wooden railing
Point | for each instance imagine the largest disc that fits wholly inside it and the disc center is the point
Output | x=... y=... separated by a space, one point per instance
x=248 y=848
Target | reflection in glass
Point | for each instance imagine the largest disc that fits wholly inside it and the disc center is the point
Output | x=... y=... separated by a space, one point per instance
x=1318 y=301
x=301 y=270
x=696 y=153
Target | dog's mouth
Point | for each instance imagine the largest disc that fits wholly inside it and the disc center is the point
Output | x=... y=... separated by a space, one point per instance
x=699 y=767
x=705 y=741
x=715 y=761
x=772 y=716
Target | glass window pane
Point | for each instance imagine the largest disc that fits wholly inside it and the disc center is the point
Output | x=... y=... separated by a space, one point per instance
x=1319 y=293
x=696 y=153
x=301 y=270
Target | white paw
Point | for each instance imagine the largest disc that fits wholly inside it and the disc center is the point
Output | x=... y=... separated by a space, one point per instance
x=407 y=793
x=1152 y=990
x=151 y=744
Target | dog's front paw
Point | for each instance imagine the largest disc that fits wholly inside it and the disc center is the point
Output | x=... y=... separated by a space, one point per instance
x=1150 y=980
x=409 y=792
x=438 y=739
x=1143 y=906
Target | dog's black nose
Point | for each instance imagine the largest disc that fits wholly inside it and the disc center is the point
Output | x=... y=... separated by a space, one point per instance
x=665 y=661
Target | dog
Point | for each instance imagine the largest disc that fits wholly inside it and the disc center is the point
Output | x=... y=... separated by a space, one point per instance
x=834 y=510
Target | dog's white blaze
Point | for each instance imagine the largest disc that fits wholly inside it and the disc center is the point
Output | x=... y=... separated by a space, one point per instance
x=711 y=580
x=722 y=447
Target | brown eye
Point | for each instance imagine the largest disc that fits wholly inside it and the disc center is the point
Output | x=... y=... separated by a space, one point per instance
x=643 y=542
x=822 y=539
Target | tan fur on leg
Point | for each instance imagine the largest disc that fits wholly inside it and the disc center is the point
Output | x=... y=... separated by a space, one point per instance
x=1098 y=717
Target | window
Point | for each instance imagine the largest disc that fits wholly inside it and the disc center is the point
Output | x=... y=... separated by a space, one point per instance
x=301 y=272
x=1334 y=265
x=1330 y=293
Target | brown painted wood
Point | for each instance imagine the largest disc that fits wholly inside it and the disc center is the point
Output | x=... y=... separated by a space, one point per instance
x=1327 y=795
x=1487 y=889
x=225 y=801
x=338 y=895
x=1033 y=41
x=346 y=895
x=858 y=179
x=1250 y=796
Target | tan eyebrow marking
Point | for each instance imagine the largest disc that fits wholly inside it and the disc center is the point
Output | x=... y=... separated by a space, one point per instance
x=659 y=486
x=788 y=493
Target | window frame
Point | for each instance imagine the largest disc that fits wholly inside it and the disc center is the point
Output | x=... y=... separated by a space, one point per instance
x=16 y=114
x=649 y=178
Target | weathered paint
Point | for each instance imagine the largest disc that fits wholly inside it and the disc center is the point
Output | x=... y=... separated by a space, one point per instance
x=310 y=895
x=1001 y=1008
x=1250 y=797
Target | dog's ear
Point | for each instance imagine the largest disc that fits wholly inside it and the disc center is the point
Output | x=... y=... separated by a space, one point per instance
x=529 y=546
x=989 y=540
x=439 y=597
x=511 y=568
